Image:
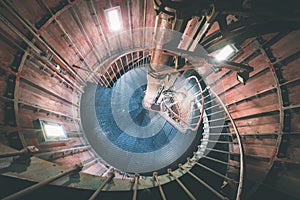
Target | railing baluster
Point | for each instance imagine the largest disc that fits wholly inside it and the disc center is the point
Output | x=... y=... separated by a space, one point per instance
x=240 y=145
x=213 y=120
x=216 y=141
x=217 y=150
x=135 y=187
x=182 y=185
x=214 y=134
x=96 y=193
x=214 y=113
x=219 y=161
x=213 y=106
x=163 y=196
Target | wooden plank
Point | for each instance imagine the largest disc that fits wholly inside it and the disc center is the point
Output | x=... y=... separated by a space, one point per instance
x=89 y=25
x=284 y=47
x=295 y=119
x=29 y=94
x=27 y=116
x=291 y=70
x=2 y=84
x=69 y=25
x=31 y=10
x=264 y=142
x=294 y=93
x=258 y=150
x=259 y=129
x=53 y=36
x=259 y=105
x=44 y=80
x=7 y=56
x=259 y=124
x=265 y=80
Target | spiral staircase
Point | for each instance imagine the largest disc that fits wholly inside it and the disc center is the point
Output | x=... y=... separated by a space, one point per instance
x=210 y=161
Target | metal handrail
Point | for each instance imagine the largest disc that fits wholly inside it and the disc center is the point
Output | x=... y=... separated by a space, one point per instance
x=182 y=124
x=241 y=149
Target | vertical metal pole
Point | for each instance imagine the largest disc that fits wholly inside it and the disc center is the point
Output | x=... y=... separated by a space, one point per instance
x=111 y=79
x=132 y=60
x=120 y=68
x=114 y=72
x=106 y=80
x=135 y=187
x=25 y=191
x=123 y=66
x=96 y=193
x=182 y=185
x=127 y=62
x=144 y=58
x=159 y=186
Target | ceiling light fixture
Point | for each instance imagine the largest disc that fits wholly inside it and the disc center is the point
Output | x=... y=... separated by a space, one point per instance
x=226 y=52
x=113 y=18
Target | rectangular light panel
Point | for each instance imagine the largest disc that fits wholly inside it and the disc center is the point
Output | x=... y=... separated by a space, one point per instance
x=113 y=18
x=52 y=130
x=225 y=52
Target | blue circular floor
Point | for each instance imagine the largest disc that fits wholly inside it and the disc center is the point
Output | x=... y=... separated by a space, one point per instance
x=124 y=120
x=124 y=134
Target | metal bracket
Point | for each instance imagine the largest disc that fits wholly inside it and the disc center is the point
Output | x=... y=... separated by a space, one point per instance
x=285 y=96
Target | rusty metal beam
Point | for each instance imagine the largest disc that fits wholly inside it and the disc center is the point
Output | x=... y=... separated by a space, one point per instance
x=29 y=150
x=34 y=187
x=39 y=109
x=230 y=65
x=51 y=155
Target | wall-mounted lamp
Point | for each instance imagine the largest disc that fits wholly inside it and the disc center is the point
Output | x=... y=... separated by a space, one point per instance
x=50 y=131
x=113 y=19
x=242 y=77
